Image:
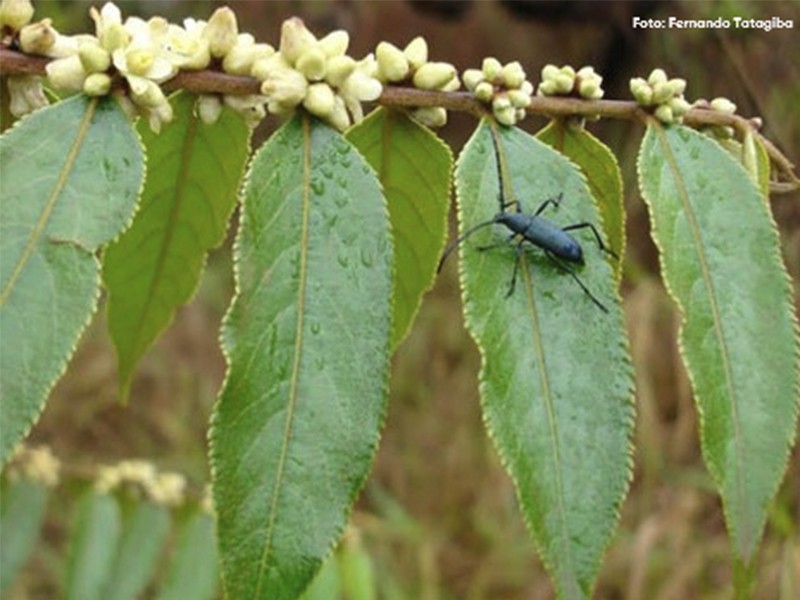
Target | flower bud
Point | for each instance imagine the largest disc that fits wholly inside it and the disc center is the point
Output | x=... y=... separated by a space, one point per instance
x=146 y=92
x=242 y=57
x=209 y=108
x=94 y=58
x=416 y=52
x=472 y=77
x=159 y=115
x=221 y=32
x=590 y=89
x=263 y=67
x=641 y=91
x=500 y=102
x=484 y=91
x=339 y=69
x=392 y=63
x=550 y=72
x=519 y=99
x=286 y=86
x=66 y=73
x=249 y=106
x=433 y=75
x=38 y=38
x=506 y=116
x=312 y=64
x=513 y=74
x=361 y=87
x=335 y=43
x=295 y=39
x=664 y=113
x=564 y=82
x=319 y=100
x=661 y=92
x=339 y=118
x=26 y=94
x=548 y=87
x=657 y=76
x=723 y=105
x=431 y=116
x=679 y=106
x=97 y=84
x=568 y=71
x=15 y=14
x=115 y=37
x=491 y=68
x=451 y=86
x=677 y=86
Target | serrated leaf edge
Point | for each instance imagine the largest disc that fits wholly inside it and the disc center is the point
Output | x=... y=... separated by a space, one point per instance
x=98 y=273
x=669 y=158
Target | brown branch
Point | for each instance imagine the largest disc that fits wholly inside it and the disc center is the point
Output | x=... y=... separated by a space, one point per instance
x=215 y=82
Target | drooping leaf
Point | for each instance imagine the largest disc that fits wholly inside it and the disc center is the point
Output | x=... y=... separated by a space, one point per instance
x=154 y=267
x=92 y=546
x=145 y=530
x=555 y=380
x=721 y=262
x=308 y=342
x=414 y=168
x=21 y=514
x=193 y=571
x=602 y=174
x=70 y=175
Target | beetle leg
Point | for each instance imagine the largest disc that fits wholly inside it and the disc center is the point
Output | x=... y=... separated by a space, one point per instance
x=560 y=264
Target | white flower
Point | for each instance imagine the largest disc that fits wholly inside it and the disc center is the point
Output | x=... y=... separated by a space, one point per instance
x=187 y=48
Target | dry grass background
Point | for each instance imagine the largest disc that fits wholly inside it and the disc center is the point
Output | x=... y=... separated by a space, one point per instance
x=439 y=515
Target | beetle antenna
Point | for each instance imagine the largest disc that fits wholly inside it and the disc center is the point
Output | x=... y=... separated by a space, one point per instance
x=460 y=239
x=501 y=179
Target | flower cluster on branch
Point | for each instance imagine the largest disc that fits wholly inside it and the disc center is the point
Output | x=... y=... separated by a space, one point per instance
x=140 y=61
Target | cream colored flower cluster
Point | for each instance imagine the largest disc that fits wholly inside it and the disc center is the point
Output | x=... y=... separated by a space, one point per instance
x=663 y=95
x=168 y=489
x=566 y=81
x=411 y=66
x=317 y=74
x=36 y=464
x=723 y=106
x=505 y=87
x=144 y=53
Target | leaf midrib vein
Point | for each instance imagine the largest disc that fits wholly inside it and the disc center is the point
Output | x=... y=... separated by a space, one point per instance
x=709 y=285
x=50 y=204
x=292 y=400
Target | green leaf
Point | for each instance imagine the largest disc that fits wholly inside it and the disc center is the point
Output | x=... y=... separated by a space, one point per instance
x=187 y=200
x=327 y=584
x=555 y=380
x=144 y=535
x=193 y=569
x=414 y=168
x=70 y=176
x=308 y=342
x=21 y=514
x=720 y=259
x=356 y=568
x=92 y=547
x=601 y=170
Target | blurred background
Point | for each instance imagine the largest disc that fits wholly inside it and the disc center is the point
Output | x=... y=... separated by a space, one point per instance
x=438 y=516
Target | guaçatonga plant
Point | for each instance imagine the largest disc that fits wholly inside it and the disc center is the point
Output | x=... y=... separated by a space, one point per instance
x=343 y=222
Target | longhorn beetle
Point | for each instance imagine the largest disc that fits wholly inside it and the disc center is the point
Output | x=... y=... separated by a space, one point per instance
x=558 y=245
